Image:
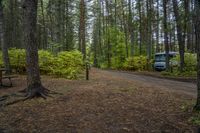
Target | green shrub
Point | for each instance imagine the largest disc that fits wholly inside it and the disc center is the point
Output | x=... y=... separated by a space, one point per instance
x=65 y=64
x=190 y=61
x=195 y=119
x=189 y=69
x=136 y=63
x=1 y=59
x=68 y=64
x=17 y=59
x=117 y=62
x=46 y=61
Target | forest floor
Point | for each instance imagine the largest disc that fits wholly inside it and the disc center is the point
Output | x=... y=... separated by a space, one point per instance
x=109 y=102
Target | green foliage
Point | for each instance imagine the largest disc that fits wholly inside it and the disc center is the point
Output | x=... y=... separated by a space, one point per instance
x=46 y=61
x=68 y=64
x=190 y=61
x=177 y=73
x=116 y=39
x=187 y=106
x=117 y=49
x=190 y=66
x=195 y=119
x=118 y=59
x=65 y=64
x=17 y=59
x=136 y=63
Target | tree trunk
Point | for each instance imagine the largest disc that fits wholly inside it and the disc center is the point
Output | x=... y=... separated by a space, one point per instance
x=149 y=32
x=35 y=87
x=197 y=33
x=3 y=44
x=125 y=29
x=166 y=33
x=82 y=28
x=180 y=36
x=108 y=23
x=157 y=27
x=188 y=26
x=130 y=26
x=44 y=39
x=140 y=26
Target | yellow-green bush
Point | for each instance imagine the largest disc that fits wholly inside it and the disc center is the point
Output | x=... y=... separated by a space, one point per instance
x=46 y=61
x=65 y=64
x=117 y=62
x=136 y=63
x=68 y=64
x=17 y=59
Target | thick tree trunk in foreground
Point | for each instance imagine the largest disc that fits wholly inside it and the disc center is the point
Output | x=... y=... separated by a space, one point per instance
x=35 y=87
x=197 y=32
x=3 y=45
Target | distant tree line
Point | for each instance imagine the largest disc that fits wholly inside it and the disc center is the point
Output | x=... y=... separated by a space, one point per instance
x=146 y=27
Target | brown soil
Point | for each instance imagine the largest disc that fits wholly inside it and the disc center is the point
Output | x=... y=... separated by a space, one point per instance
x=106 y=103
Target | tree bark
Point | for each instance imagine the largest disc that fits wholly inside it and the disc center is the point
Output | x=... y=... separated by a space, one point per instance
x=130 y=26
x=157 y=27
x=125 y=29
x=180 y=36
x=44 y=39
x=149 y=32
x=35 y=87
x=140 y=27
x=3 y=44
x=82 y=29
x=166 y=33
x=197 y=33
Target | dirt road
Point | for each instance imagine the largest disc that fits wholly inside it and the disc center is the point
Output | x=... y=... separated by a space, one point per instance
x=110 y=102
x=172 y=85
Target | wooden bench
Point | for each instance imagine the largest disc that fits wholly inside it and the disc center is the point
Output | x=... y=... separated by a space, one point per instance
x=6 y=76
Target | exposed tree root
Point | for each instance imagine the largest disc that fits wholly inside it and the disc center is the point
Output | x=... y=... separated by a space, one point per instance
x=16 y=101
x=46 y=92
x=31 y=92
x=37 y=92
x=2 y=98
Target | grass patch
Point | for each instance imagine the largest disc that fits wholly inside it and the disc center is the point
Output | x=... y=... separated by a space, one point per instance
x=179 y=74
x=187 y=106
x=195 y=120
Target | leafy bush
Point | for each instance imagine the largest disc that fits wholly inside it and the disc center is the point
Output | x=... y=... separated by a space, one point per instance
x=195 y=120
x=17 y=59
x=65 y=64
x=190 y=61
x=190 y=66
x=68 y=64
x=177 y=73
x=46 y=61
x=117 y=62
x=1 y=59
x=136 y=63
